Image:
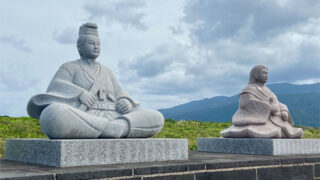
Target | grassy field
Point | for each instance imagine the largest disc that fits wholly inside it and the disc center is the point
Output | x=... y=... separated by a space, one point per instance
x=25 y=127
x=194 y=129
x=18 y=127
x=191 y=130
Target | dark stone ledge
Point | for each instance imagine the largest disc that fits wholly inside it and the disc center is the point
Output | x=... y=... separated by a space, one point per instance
x=286 y=173
x=317 y=171
x=228 y=175
x=200 y=165
x=171 y=177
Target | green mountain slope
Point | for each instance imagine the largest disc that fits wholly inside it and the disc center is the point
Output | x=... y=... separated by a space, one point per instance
x=303 y=102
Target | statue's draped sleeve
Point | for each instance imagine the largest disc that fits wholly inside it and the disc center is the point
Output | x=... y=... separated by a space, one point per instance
x=252 y=108
x=61 y=89
x=256 y=108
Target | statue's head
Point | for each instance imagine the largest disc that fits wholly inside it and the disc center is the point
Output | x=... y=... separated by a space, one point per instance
x=259 y=74
x=88 y=43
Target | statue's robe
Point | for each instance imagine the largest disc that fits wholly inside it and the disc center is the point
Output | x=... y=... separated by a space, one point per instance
x=62 y=115
x=255 y=117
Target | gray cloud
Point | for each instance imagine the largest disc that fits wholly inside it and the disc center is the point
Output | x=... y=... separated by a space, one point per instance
x=214 y=20
x=153 y=63
x=176 y=29
x=126 y=12
x=174 y=69
x=67 y=36
x=217 y=61
x=21 y=81
x=305 y=65
x=18 y=44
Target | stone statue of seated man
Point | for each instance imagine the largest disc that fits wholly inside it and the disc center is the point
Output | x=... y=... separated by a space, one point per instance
x=84 y=100
x=260 y=114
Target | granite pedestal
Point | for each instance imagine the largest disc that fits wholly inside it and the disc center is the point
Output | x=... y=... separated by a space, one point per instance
x=259 y=146
x=84 y=152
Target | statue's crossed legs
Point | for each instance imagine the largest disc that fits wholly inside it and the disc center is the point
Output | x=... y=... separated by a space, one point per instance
x=61 y=121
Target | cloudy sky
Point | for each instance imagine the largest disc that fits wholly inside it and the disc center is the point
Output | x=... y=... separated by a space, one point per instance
x=163 y=52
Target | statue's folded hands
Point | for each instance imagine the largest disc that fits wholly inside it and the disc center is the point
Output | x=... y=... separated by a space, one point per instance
x=285 y=115
x=87 y=98
x=124 y=106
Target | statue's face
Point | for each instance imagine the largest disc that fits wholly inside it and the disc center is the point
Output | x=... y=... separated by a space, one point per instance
x=91 y=47
x=262 y=75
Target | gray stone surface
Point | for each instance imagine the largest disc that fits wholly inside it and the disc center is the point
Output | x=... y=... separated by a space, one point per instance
x=85 y=101
x=260 y=114
x=65 y=153
x=171 y=177
x=317 y=170
x=261 y=146
x=26 y=175
x=228 y=175
x=200 y=165
x=286 y=173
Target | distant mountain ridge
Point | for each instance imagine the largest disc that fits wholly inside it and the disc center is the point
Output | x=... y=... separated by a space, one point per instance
x=303 y=102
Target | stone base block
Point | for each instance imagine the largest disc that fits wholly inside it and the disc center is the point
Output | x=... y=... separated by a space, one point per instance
x=259 y=146
x=84 y=152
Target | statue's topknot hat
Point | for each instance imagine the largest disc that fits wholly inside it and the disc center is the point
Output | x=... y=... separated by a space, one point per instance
x=88 y=29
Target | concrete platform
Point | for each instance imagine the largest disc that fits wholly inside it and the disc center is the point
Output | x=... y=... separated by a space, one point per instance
x=200 y=166
x=84 y=152
x=259 y=146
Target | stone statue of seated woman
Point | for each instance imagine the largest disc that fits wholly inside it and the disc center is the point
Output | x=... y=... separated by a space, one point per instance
x=84 y=100
x=260 y=114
